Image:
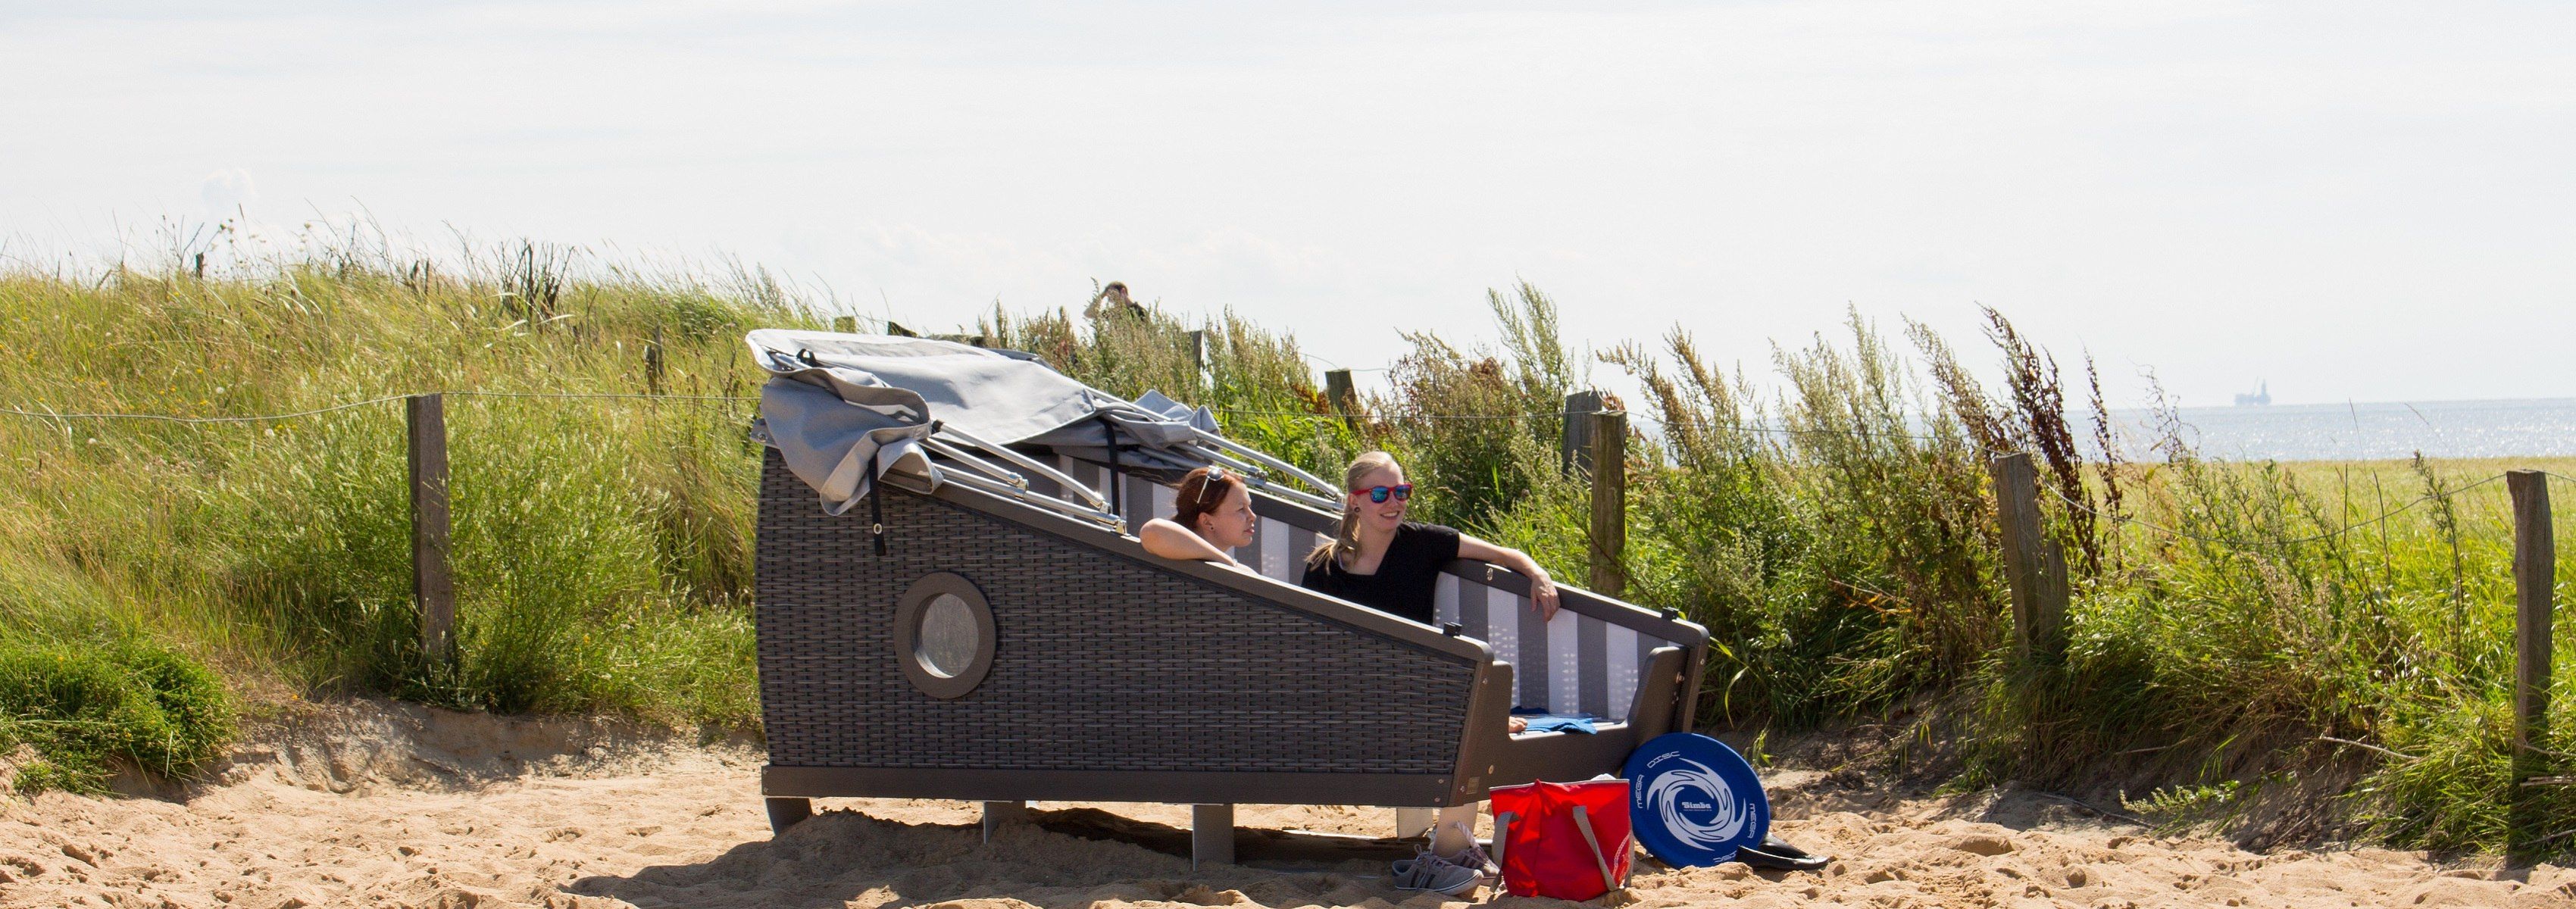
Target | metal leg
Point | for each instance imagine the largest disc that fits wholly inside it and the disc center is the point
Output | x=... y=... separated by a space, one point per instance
x=1453 y=829
x=1211 y=835
x=785 y=812
x=1413 y=822
x=998 y=813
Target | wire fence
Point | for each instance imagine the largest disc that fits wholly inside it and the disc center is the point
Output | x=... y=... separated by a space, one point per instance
x=49 y=414
x=2241 y=544
x=2064 y=499
x=176 y=418
x=1970 y=444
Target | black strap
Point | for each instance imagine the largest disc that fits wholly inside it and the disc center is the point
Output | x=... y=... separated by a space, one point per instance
x=1117 y=503
x=876 y=501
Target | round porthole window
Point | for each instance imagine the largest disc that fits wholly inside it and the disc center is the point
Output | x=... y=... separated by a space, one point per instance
x=944 y=635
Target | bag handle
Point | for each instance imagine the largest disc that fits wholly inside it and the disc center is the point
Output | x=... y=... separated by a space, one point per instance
x=1583 y=823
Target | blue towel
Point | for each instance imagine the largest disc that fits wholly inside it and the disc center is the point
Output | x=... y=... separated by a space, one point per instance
x=1542 y=721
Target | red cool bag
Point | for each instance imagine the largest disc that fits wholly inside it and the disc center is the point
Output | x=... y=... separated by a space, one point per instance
x=1564 y=840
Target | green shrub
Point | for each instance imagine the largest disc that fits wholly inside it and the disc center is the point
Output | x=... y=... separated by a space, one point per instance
x=83 y=708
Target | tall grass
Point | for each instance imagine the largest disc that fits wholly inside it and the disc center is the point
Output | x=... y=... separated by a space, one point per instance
x=1832 y=523
x=1828 y=515
x=601 y=548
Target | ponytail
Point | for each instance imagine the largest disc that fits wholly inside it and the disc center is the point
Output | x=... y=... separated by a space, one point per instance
x=1346 y=537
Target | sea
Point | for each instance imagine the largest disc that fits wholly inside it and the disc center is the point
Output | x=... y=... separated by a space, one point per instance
x=2533 y=427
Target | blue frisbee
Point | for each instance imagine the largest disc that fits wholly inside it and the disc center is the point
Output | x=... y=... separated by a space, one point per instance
x=1693 y=801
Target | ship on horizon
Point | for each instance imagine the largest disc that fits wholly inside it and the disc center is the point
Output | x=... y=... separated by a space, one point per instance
x=2262 y=396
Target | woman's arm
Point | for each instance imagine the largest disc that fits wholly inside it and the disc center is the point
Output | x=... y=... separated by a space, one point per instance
x=1542 y=587
x=1164 y=538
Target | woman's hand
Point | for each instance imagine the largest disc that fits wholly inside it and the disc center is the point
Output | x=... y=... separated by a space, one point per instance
x=1542 y=587
x=1517 y=726
x=1542 y=591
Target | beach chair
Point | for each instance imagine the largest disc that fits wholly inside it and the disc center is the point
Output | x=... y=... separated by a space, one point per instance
x=949 y=606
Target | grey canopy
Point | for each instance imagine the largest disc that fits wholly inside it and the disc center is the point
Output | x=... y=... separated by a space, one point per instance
x=844 y=409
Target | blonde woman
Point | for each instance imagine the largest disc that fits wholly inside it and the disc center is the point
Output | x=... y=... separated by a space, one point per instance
x=1211 y=517
x=1377 y=558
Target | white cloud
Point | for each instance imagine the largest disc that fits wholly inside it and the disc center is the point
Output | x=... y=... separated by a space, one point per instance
x=227 y=193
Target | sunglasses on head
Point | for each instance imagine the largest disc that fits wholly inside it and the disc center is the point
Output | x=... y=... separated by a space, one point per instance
x=1207 y=482
x=1403 y=492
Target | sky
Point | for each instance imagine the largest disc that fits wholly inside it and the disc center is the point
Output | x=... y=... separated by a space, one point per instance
x=2349 y=201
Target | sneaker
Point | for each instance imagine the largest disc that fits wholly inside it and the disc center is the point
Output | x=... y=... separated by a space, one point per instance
x=1472 y=858
x=1428 y=871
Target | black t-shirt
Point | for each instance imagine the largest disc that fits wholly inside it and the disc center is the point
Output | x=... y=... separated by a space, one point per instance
x=1406 y=578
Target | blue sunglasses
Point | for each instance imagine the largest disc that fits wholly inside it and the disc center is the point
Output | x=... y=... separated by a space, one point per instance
x=1403 y=492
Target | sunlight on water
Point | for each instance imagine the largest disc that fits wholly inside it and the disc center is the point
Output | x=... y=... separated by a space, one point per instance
x=2335 y=432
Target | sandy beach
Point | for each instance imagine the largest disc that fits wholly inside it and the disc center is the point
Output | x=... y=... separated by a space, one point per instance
x=400 y=806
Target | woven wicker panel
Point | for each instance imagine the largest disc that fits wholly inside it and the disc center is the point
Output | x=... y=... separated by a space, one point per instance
x=1100 y=662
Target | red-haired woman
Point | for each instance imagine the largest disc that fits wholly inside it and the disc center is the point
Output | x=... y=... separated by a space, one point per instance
x=1211 y=517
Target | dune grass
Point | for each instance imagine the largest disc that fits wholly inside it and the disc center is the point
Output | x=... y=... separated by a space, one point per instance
x=601 y=548
x=1828 y=516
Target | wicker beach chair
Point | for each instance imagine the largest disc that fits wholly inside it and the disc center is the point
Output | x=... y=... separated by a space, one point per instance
x=977 y=625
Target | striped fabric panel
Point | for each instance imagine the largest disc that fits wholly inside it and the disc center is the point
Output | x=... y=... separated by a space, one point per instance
x=1137 y=500
x=1564 y=664
x=1502 y=629
x=1537 y=657
x=1273 y=538
x=1592 y=640
x=1575 y=663
x=1623 y=662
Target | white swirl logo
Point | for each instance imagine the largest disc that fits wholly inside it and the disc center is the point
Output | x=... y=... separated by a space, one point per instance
x=1666 y=793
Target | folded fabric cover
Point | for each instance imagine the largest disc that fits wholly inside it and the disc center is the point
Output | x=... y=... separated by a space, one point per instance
x=845 y=409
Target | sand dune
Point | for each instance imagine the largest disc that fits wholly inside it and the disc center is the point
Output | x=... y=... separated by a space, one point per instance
x=390 y=805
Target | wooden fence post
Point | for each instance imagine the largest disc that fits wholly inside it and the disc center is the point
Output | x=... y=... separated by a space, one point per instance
x=1199 y=355
x=653 y=363
x=432 y=588
x=1609 y=451
x=1345 y=398
x=2535 y=569
x=2033 y=564
x=1574 y=451
x=848 y=325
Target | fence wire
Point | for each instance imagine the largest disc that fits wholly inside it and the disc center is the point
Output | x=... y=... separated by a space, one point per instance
x=2059 y=494
x=2285 y=541
x=597 y=394
x=260 y=418
x=174 y=418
